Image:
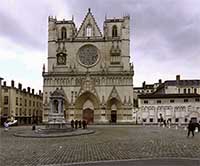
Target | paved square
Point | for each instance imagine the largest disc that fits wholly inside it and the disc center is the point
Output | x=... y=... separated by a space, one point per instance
x=108 y=143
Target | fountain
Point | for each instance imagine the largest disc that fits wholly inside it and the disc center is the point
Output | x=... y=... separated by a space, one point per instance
x=56 y=126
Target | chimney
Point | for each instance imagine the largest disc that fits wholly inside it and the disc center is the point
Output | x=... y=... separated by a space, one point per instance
x=40 y=92
x=29 y=89
x=12 y=83
x=160 y=81
x=4 y=83
x=143 y=84
x=33 y=91
x=20 y=86
x=178 y=78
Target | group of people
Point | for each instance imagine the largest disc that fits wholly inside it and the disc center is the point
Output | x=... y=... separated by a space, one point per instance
x=165 y=123
x=78 y=124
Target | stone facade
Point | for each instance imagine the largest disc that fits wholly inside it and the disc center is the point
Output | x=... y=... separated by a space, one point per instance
x=93 y=69
x=177 y=101
x=20 y=104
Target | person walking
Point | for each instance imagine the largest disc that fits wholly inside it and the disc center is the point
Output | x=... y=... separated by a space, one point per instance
x=79 y=124
x=191 y=128
x=84 y=124
x=72 y=123
x=76 y=124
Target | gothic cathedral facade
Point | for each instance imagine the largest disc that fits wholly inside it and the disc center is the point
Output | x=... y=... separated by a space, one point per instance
x=93 y=69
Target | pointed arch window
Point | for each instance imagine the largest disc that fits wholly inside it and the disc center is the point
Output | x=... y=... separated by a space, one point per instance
x=63 y=33
x=89 y=31
x=114 y=31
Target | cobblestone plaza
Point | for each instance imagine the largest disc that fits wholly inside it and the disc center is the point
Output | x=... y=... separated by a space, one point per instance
x=107 y=143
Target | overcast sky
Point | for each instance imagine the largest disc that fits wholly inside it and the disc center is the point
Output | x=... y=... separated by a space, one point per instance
x=165 y=36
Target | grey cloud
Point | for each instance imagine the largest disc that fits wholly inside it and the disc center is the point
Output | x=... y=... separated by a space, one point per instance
x=163 y=31
x=13 y=30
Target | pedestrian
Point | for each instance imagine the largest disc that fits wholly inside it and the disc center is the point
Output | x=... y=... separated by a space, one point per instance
x=84 y=124
x=72 y=123
x=165 y=124
x=34 y=125
x=191 y=128
x=79 y=123
x=76 y=124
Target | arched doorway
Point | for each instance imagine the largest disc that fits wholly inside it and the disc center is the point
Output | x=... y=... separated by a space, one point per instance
x=113 y=116
x=88 y=115
x=113 y=113
x=114 y=106
x=88 y=111
x=86 y=105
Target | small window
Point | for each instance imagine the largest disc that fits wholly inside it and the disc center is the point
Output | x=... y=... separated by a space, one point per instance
x=144 y=120
x=89 y=31
x=185 y=100
x=178 y=90
x=184 y=91
x=63 y=33
x=197 y=99
x=195 y=90
x=188 y=90
x=186 y=120
x=171 y=101
x=114 y=31
x=5 y=90
x=5 y=99
x=20 y=101
x=158 y=101
x=176 y=120
x=145 y=101
x=16 y=100
x=151 y=120
x=25 y=102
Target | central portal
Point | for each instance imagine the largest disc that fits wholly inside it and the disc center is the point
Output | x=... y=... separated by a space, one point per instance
x=113 y=116
x=88 y=114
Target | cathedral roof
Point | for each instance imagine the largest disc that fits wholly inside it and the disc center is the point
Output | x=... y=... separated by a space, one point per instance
x=89 y=19
x=182 y=83
x=157 y=96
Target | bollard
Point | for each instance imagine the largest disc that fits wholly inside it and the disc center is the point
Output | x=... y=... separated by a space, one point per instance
x=176 y=127
x=185 y=128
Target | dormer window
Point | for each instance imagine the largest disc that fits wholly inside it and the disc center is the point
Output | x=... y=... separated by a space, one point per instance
x=63 y=33
x=114 y=31
x=89 y=31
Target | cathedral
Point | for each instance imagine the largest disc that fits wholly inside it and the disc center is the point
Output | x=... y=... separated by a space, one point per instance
x=91 y=69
